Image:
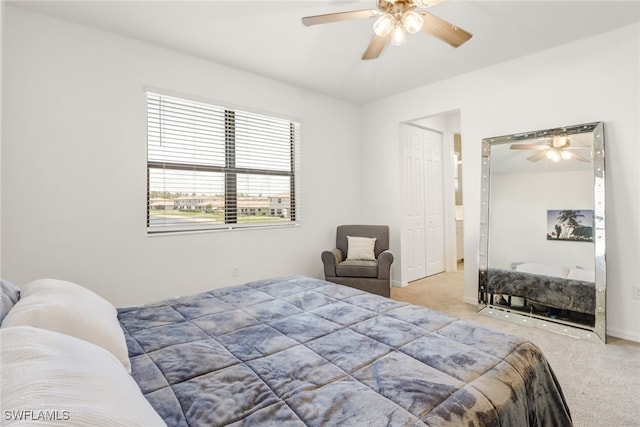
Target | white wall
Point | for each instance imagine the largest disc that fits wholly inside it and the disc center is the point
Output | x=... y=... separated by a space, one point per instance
x=74 y=166
x=594 y=79
x=518 y=218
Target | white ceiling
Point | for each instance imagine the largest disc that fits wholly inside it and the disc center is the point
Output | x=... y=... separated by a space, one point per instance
x=268 y=38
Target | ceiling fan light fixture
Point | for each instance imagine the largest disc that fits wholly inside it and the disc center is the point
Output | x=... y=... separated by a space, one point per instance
x=412 y=21
x=383 y=25
x=565 y=155
x=399 y=35
x=553 y=155
x=560 y=141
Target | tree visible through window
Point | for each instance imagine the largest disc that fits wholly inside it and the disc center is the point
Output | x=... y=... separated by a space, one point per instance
x=211 y=167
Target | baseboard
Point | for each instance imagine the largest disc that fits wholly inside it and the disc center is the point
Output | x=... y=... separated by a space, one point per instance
x=625 y=335
x=399 y=284
x=471 y=301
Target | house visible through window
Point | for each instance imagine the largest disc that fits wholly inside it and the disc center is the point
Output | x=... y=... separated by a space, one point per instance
x=210 y=167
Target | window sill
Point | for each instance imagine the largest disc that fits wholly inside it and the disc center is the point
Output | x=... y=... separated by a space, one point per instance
x=223 y=230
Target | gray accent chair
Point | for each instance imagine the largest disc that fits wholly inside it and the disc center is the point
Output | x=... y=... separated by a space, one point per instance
x=369 y=276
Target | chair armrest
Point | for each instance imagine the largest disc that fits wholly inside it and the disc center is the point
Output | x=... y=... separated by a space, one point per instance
x=385 y=259
x=330 y=259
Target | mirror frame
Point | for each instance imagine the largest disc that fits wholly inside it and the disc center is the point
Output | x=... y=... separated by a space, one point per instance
x=599 y=331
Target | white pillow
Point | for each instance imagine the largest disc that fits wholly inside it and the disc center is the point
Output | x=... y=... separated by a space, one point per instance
x=582 y=274
x=67 y=381
x=70 y=309
x=543 y=269
x=360 y=248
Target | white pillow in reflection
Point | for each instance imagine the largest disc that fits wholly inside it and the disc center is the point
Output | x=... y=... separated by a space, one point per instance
x=582 y=274
x=543 y=269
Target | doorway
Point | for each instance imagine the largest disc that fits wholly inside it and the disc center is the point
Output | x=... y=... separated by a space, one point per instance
x=431 y=238
x=423 y=202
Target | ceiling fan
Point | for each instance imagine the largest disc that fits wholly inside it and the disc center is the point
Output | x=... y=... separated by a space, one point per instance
x=396 y=18
x=556 y=148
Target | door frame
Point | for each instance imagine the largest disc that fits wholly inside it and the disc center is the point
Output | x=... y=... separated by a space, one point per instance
x=449 y=219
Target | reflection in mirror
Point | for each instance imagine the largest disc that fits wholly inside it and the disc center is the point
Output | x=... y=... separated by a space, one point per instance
x=542 y=229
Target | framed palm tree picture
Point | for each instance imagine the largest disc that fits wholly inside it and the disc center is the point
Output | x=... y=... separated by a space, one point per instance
x=570 y=225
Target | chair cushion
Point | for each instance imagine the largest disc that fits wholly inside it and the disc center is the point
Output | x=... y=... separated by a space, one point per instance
x=357 y=268
x=379 y=232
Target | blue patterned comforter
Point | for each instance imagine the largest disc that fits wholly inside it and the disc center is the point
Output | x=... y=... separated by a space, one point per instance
x=299 y=351
x=557 y=292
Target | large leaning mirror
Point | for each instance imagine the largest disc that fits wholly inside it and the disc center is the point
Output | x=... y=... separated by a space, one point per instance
x=542 y=231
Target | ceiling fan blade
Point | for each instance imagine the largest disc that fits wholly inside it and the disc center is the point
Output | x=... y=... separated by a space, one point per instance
x=376 y=46
x=578 y=157
x=340 y=16
x=444 y=30
x=427 y=3
x=528 y=147
x=537 y=156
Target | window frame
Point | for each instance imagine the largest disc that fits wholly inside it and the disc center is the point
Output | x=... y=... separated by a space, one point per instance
x=229 y=170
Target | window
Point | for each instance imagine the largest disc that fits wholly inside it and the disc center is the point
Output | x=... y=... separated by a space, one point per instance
x=210 y=167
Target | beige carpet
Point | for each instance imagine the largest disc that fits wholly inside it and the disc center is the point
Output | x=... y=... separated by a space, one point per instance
x=601 y=382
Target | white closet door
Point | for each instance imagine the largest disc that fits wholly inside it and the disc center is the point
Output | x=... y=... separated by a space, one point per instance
x=434 y=218
x=414 y=203
x=423 y=248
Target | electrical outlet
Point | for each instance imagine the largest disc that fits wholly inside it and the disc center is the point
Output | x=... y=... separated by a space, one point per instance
x=235 y=271
x=636 y=291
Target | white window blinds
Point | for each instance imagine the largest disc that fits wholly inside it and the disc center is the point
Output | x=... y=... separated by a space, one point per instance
x=211 y=167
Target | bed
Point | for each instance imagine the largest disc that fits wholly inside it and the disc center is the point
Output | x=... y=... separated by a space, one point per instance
x=301 y=351
x=552 y=286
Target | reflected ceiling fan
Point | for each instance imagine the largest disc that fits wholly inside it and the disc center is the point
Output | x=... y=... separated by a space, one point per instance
x=396 y=18
x=555 y=149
